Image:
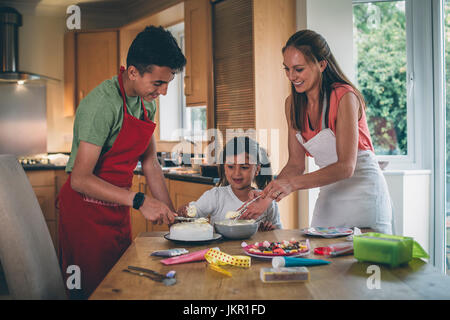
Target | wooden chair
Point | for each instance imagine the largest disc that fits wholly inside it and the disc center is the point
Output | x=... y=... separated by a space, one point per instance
x=27 y=253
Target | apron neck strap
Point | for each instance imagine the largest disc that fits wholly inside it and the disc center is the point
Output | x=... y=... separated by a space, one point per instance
x=122 y=92
x=324 y=110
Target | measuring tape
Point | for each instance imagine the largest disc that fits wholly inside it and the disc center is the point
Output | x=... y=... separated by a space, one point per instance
x=218 y=258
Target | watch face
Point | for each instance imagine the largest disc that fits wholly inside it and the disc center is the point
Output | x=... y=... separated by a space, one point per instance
x=138 y=200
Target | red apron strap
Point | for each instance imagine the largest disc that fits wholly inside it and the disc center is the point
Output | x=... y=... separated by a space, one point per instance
x=122 y=92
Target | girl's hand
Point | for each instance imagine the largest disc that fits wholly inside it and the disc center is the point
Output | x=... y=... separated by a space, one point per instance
x=266 y=226
x=278 y=189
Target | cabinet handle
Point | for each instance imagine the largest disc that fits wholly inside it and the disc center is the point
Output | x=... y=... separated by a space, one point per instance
x=81 y=95
x=187 y=86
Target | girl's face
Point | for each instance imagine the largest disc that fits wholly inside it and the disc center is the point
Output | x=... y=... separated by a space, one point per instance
x=303 y=75
x=240 y=172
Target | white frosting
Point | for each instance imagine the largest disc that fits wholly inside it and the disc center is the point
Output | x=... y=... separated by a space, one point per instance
x=231 y=214
x=191 y=211
x=198 y=230
x=235 y=222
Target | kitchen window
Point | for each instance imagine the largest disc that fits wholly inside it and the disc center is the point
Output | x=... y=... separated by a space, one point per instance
x=176 y=121
x=390 y=62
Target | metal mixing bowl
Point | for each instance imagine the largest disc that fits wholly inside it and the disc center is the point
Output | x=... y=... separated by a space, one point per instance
x=238 y=229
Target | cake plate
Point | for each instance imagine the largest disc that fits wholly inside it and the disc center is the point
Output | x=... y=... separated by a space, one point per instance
x=216 y=236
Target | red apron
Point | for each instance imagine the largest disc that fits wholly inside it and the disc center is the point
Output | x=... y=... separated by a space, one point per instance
x=93 y=234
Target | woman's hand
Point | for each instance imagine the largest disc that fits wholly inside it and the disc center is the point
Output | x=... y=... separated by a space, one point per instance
x=257 y=208
x=157 y=212
x=278 y=189
x=266 y=226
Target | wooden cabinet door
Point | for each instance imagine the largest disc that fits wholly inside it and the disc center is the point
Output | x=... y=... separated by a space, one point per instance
x=138 y=221
x=43 y=183
x=46 y=198
x=150 y=225
x=182 y=192
x=97 y=59
x=197 y=26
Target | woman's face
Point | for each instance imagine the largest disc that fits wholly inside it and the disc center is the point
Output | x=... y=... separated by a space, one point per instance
x=303 y=75
x=239 y=171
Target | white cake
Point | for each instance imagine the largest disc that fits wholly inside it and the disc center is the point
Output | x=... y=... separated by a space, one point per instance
x=187 y=231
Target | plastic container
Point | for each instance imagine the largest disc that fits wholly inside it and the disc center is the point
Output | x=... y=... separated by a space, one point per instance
x=293 y=274
x=383 y=248
x=335 y=249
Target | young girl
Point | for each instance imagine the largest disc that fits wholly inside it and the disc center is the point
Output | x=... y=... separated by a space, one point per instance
x=241 y=162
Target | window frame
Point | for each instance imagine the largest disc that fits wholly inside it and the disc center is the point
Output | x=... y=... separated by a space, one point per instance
x=179 y=36
x=438 y=219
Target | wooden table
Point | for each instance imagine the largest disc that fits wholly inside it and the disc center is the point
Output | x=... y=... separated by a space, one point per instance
x=344 y=278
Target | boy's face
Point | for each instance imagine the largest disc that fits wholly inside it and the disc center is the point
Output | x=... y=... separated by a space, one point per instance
x=150 y=85
x=239 y=171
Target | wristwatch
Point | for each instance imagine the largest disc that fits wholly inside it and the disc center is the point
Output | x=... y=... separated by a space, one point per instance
x=138 y=200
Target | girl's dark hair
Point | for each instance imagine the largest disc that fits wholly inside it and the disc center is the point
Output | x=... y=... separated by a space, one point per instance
x=155 y=46
x=257 y=155
x=315 y=48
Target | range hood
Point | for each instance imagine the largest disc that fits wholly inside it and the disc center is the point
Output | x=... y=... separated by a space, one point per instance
x=10 y=21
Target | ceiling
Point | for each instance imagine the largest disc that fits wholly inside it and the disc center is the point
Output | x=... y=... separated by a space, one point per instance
x=48 y=6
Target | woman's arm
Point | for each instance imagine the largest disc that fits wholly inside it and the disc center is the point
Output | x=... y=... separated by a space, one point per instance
x=294 y=167
x=346 y=148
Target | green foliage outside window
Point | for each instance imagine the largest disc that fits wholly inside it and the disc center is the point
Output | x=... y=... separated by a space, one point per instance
x=380 y=36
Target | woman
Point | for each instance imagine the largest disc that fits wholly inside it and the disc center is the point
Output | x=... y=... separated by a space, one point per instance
x=113 y=130
x=327 y=121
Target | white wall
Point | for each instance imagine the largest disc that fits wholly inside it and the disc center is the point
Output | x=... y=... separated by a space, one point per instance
x=333 y=19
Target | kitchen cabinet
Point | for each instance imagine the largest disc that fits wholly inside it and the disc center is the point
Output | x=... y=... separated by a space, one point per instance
x=90 y=57
x=46 y=185
x=182 y=192
x=198 y=51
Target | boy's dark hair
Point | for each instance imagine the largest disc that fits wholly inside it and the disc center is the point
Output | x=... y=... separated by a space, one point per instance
x=258 y=156
x=155 y=46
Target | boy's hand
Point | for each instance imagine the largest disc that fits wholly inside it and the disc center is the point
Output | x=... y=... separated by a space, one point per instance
x=157 y=212
x=182 y=211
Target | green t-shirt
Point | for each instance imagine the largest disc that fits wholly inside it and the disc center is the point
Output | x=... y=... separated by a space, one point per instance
x=99 y=116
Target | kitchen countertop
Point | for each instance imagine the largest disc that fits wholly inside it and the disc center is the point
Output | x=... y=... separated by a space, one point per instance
x=188 y=177
x=34 y=167
x=197 y=178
